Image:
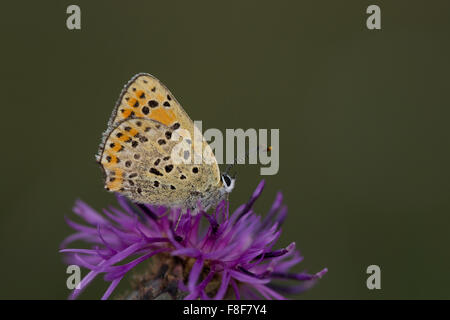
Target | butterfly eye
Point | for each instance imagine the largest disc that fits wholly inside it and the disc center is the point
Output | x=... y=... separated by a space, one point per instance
x=228 y=182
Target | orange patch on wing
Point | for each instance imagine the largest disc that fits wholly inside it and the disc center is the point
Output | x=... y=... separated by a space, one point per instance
x=117 y=147
x=132 y=102
x=109 y=160
x=126 y=113
x=166 y=117
x=140 y=94
x=124 y=136
x=113 y=159
x=115 y=185
x=116 y=182
x=138 y=114
x=133 y=132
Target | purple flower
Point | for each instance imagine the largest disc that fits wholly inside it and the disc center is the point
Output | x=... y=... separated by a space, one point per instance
x=210 y=256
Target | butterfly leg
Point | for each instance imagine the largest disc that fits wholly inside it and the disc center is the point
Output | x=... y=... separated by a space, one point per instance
x=178 y=221
x=165 y=213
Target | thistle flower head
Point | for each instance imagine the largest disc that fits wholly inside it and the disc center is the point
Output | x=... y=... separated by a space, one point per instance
x=214 y=255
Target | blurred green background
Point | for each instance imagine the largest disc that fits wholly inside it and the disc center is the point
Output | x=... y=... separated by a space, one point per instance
x=363 y=118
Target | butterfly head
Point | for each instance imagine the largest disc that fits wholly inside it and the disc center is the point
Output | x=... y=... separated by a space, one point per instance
x=228 y=182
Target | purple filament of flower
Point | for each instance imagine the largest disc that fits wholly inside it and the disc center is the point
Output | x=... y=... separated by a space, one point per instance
x=238 y=247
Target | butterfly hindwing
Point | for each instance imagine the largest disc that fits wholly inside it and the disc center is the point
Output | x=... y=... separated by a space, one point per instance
x=138 y=162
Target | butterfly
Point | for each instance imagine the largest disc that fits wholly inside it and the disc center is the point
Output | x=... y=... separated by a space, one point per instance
x=140 y=151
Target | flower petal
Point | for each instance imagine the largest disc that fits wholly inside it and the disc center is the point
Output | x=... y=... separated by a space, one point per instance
x=195 y=273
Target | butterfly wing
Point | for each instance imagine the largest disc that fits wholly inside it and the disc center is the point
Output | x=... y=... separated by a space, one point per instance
x=145 y=96
x=133 y=153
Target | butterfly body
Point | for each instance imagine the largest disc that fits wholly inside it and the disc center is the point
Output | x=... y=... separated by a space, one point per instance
x=140 y=151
